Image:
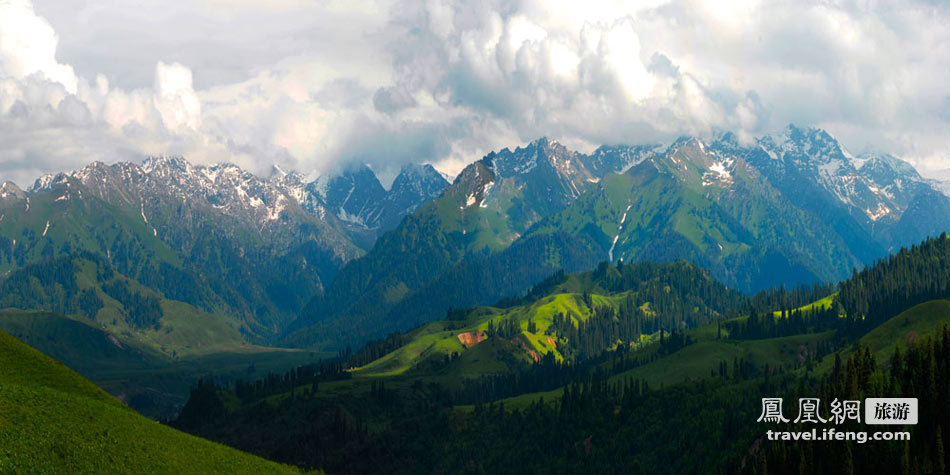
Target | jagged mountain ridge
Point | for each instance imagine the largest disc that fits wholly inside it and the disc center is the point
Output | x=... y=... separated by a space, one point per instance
x=358 y=199
x=354 y=197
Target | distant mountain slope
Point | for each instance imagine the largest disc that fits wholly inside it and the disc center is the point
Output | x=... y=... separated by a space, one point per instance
x=413 y=186
x=281 y=259
x=82 y=347
x=354 y=196
x=53 y=420
x=712 y=208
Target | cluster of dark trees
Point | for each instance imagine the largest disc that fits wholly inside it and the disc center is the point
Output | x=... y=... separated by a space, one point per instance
x=51 y=285
x=178 y=284
x=891 y=285
x=306 y=378
x=741 y=369
x=609 y=327
x=508 y=328
x=546 y=374
x=870 y=297
x=141 y=310
x=48 y=285
x=204 y=404
x=89 y=303
x=679 y=291
x=605 y=328
x=788 y=322
x=674 y=341
x=376 y=349
x=779 y=298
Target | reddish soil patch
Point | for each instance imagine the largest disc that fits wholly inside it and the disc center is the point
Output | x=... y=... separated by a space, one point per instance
x=534 y=354
x=470 y=339
x=552 y=342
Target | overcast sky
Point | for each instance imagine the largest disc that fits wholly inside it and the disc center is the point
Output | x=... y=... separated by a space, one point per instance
x=311 y=85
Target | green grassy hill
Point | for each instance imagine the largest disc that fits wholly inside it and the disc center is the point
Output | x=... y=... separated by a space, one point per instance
x=439 y=339
x=626 y=297
x=53 y=420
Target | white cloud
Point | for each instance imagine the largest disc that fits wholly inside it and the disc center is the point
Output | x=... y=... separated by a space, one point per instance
x=313 y=84
x=28 y=46
x=176 y=100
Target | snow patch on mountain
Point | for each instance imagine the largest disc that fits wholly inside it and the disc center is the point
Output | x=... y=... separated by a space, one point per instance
x=623 y=219
x=878 y=213
x=485 y=193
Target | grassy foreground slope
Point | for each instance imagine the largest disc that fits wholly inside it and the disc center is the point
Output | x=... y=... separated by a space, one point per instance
x=151 y=382
x=54 y=420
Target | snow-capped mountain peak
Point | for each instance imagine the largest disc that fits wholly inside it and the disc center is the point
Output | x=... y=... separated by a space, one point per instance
x=879 y=187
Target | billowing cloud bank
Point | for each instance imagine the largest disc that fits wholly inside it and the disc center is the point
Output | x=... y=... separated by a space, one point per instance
x=311 y=85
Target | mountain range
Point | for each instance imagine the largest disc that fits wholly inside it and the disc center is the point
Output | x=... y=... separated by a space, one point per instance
x=169 y=252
